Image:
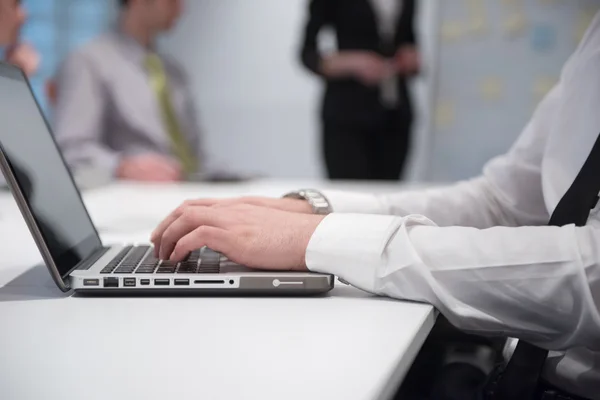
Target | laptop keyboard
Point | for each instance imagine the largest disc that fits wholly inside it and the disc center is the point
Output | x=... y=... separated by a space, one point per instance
x=141 y=260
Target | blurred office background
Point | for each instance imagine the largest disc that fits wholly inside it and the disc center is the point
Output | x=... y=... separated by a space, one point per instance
x=487 y=63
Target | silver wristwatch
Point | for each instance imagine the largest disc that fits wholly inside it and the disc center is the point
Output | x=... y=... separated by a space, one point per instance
x=319 y=203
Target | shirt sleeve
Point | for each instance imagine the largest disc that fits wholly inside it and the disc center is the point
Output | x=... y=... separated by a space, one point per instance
x=79 y=117
x=532 y=283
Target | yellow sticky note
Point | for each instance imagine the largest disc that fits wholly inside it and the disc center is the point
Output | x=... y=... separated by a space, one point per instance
x=542 y=85
x=492 y=88
x=445 y=114
x=478 y=25
x=452 y=31
x=515 y=25
x=477 y=19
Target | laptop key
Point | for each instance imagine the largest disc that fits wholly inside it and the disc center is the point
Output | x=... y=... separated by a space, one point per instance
x=165 y=271
x=209 y=269
x=168 y=264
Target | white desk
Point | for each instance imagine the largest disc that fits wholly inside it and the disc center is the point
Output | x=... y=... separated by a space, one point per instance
x=347 y=345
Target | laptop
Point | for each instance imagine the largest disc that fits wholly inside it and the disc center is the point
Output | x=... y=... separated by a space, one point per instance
x=68 y=241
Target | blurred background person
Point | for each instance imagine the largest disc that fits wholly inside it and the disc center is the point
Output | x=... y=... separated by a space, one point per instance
x=125 y=110
x=23 y=55
x=367 y=112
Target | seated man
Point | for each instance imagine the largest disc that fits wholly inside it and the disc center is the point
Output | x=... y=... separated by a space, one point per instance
x=514 y=252
x=123 y=109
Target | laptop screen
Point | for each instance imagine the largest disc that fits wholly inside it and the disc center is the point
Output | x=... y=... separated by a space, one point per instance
x=42 y=175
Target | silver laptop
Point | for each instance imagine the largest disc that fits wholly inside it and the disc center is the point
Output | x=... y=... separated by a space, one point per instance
x=68 y=240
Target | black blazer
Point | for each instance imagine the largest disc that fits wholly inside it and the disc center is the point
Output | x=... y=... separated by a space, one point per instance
x=355 y=25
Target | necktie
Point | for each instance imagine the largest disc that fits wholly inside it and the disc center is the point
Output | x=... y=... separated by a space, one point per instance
x=521 y=376
x=160 y=84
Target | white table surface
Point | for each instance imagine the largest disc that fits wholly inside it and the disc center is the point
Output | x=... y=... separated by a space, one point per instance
x=347 y=345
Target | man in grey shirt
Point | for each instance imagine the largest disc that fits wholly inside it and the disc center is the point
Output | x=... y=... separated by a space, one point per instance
x=122 y=109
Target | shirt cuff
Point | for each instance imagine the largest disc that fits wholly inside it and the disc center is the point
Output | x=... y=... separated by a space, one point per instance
x=348 y=202
x=350 y=246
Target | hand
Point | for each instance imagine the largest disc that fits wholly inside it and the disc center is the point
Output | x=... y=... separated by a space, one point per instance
x=366 y=66
x=149 y=168
x=24 y=56
x=408 y=60
x=257 y=237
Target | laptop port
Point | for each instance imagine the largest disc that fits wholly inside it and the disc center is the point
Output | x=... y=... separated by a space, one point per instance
x=111 y=282
x=209 y=282
x=162 y=282
x=182 y=282
x=144 y=282
x=91 y=282
x=129 y=282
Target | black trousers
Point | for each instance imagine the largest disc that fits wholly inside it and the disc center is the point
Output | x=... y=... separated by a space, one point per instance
x=369 y=150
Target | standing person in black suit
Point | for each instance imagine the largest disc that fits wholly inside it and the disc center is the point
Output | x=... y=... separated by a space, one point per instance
x=366 y=112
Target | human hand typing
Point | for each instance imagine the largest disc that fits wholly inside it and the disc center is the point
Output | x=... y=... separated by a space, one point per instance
x=258 y=237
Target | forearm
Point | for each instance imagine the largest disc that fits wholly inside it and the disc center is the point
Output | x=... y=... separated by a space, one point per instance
x=337 y=65
x=522 y=282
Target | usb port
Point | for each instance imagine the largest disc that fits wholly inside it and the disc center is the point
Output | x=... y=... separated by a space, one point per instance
x=91 y=282
x=129 y=282
x=182 y=282
x=111 y=282
x=162 y=282
x=144 y=282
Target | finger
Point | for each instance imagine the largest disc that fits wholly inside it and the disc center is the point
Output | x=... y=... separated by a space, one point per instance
x=160 y=229
x=192 y=218
x=216 y=239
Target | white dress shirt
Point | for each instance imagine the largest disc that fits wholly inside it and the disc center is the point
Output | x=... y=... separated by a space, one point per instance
x=386 y=13
x=479 y=251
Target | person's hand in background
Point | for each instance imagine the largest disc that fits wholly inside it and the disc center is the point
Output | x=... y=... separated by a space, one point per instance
x=149 y=168
x=366 y=66
x=24 y=56
x=254 y=236
x=408 y=60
